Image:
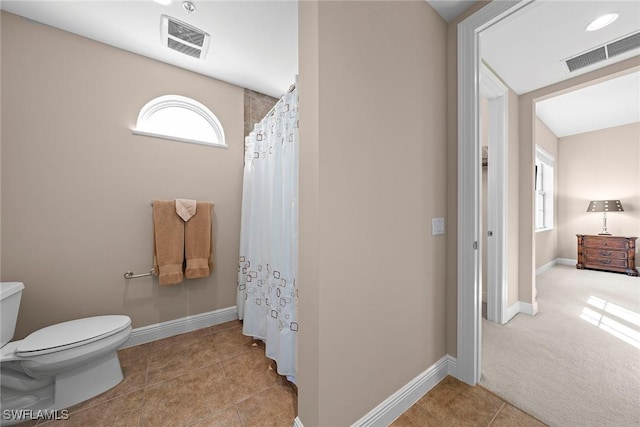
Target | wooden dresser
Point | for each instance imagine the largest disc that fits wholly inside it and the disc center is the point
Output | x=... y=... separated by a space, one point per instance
x=610 y=253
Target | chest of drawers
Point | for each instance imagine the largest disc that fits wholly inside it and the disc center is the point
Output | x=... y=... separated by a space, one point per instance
x=609 y=253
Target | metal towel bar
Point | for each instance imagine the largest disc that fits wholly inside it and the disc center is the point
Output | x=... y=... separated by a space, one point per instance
x=130 y=275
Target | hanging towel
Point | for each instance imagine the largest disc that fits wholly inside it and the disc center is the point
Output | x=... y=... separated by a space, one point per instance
x=168 y=236
x=185 y=208
x=198 y=242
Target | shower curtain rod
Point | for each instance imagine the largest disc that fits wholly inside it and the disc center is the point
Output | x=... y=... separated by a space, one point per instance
x=291 y=89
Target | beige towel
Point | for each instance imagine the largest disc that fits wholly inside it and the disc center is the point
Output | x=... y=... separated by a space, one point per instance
x=168 y=236
x=198 y=242
x=185 y=208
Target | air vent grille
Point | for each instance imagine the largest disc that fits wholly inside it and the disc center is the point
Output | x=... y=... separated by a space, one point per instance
x=183 y=37
x=183 y=48
x=187 y=34
x=604 y=52
x=624 y=45
x=587 y=59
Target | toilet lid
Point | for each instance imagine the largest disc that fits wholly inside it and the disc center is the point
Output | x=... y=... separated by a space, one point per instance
x=71 y=334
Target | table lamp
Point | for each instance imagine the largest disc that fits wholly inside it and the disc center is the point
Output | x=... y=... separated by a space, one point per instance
x=605 y=206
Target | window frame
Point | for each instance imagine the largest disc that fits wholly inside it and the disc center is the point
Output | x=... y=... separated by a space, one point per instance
x=544 y=189
x=189 y=104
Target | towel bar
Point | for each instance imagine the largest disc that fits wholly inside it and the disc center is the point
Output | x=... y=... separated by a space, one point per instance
x=130 y=275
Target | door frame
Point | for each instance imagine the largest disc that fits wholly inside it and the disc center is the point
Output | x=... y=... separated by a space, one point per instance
x=496 y=92
x=469 y=299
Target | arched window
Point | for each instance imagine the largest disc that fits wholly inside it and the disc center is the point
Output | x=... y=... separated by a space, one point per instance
x=180 y=118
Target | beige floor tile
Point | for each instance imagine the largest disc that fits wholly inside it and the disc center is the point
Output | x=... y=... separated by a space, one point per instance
x=226 y=418
x=182 y=357
x=230 y=342
x=249 y=373
x=510 y=416
x=416 y=416
x=274 y=407
x=186 y=399
x=226 y=325
x=179 y=338
x=122 y=411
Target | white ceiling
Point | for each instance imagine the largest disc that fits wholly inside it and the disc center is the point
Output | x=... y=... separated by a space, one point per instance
x=611 y=103
x=527 y=50
x=254 y=44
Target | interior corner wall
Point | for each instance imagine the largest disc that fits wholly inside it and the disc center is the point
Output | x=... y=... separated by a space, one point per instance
x=598 y=165
x=547 y=240
x=77 y=184
x=377 y=181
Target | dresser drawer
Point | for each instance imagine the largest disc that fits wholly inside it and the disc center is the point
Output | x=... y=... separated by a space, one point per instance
x=604 y=242
x=604 y=253
x=605 y=262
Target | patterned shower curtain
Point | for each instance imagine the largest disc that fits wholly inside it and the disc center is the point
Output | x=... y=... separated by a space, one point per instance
x=267 y=292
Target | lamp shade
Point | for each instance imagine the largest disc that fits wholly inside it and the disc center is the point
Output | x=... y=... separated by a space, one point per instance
x=605 y=206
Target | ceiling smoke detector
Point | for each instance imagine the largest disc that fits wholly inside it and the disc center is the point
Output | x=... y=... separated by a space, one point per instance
x=183 y=37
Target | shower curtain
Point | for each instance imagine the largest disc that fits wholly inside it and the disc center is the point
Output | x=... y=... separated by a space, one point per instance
x=267 y=293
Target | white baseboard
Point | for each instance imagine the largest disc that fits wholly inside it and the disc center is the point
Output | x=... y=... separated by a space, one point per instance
x=297 y=422
x=512 y=311
x=557 y=261
x=400 y=401
x=522 y=307
x=170 y=328
x=546 y=267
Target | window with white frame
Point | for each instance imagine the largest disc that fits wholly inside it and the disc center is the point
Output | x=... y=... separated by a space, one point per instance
x=544 y=189
x=180 y=118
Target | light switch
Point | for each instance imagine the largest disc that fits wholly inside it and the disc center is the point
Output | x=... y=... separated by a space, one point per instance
x=437 y=226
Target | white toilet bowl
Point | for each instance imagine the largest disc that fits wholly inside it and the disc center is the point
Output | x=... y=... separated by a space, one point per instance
x=60 y=365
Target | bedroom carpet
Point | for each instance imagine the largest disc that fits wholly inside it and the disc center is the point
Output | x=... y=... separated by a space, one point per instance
x=577 y=362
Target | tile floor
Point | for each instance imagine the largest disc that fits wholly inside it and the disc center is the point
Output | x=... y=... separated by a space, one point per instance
x=218 y=377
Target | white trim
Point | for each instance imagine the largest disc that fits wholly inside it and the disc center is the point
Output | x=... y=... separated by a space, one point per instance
x=497 y=215
x=469 y=309
x=512 y=311
x=567 y=261
x=297 y=422
x=547 y=266
x=177 y=138
x=400 y=401
x=530 y=309
x=170 y=328
x=521 y=307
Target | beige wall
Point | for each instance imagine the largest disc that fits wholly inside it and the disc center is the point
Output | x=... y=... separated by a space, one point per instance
x=527 y=121
x=77 y=185
x=547 y=241
x=373 y=170
x=598 y=165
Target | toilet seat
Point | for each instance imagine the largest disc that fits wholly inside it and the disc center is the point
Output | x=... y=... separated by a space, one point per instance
x=74 y=333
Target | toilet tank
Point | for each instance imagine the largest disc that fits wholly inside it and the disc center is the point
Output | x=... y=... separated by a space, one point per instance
x=10 y=294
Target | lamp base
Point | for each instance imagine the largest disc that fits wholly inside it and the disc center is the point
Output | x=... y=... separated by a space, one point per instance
x=604 y=233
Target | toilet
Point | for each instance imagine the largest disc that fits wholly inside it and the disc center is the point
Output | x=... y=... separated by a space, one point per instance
x=57 y=366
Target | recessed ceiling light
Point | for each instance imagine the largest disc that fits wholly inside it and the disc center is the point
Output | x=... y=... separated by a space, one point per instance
x=602 y=21
x=164 y=2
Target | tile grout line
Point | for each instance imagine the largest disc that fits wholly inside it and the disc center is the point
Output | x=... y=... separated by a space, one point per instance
x=496 y=414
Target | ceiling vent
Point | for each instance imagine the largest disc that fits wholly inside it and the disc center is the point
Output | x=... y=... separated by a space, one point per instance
x=183 y=37
x=602 y=53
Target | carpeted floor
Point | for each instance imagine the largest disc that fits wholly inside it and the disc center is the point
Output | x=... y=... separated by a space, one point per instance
x=577 y=362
